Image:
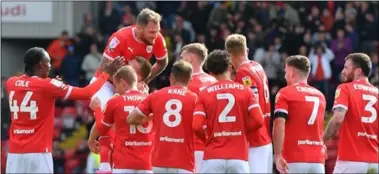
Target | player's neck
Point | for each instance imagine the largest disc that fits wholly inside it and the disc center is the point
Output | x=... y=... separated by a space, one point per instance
x=361 y=78
x=32 y=73
x=297 y=81
x=197 y=70
x=179 y=84
x=222 y=77
x=238 y=60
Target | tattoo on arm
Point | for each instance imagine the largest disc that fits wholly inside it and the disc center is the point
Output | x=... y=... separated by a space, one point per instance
x=157 y=69
x=334 y=123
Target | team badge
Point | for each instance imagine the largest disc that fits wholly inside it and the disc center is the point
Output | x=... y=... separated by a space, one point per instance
x=338 y=91
x=113 y=43
x=247 y=81
x=149 y=48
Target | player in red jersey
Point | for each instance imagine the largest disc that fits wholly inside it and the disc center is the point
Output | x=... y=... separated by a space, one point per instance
x=172 y=109
x=299 y=121
x=195 y=54
x=230 y=110
x=355 y=117
x=32 y=102
x=143 y=70
x=251 y=74
x=132 y=144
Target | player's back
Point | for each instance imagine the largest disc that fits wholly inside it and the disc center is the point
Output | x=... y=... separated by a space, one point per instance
x=359 y=131
x=226 y=108
x=252 y=74
x=32 y=106
x=134 y=142
x=172 y=109
x=200 y=81
x=305 y=107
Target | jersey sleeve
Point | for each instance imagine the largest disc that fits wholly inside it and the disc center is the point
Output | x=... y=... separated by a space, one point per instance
x=160 y=50
x=56 y=88
x=341 y=98
x=114 y=47
x=109 y=110
x=252 y=100
x=144 y=108
x=281 y=103
x=199 y=106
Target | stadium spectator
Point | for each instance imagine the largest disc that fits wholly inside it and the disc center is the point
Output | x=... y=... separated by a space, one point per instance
x=91 y=62
x=341 y=47
x=58 y=49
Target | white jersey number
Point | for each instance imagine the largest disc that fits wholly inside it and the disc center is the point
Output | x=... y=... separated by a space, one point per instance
x=32 y=108
x=224 y=118
x=369 y=107
x=140 y=128
x=316 y=104
x=175 y=112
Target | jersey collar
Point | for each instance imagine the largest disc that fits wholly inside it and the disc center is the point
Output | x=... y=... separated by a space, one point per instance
x=134 y=35
x=245 y=62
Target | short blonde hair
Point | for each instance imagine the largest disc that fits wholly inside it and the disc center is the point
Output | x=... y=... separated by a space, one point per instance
x=146 y=15
x=198 y=49
x=182 y=71
x=126 y=73
x=235 y=44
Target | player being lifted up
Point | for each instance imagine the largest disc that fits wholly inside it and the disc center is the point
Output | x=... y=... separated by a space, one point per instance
x=299 y=121
x=195 y=54
x=132 y=144
x=32 y=102
x=251 y=74
x=172 y=109
x=229 y=110
x=355 y=117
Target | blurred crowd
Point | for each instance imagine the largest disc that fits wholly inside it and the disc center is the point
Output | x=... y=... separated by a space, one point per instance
x=326 y=32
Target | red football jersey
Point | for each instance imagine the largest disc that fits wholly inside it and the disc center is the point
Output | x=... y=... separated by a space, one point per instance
x=359 y=131
x=32 y=106
x=132 y=144
x=226 y=105
x=304 y=127
x=200 y=81
x=125 y=43
x=172 y=109
x=252 y=75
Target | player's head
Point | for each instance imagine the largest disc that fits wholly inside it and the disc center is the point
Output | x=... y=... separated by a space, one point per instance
x=236 y=46
x=297 y=68
x=194 y=53
x=37 y=62
x=356 y=65
x=181 y=73
x=218 y=63
x=148 y=24
x=125 y=79
x=142 y=67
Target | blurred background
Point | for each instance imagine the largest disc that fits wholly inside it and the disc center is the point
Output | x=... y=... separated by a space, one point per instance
x=75 y=34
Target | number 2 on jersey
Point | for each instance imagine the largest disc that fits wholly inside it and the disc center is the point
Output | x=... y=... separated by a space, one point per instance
x=316 y=104
x=223 y=117
x=369 y=107
x=32 y=108
x=140 y=128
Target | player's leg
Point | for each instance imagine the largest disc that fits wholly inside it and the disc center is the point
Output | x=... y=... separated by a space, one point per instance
x=214 y=166
x=237 y=166
x=160 y=170
x=199 y=160
x=317 y=168
x=260 y=159
x=350 y=167
x=30 y=163
x=177 y=170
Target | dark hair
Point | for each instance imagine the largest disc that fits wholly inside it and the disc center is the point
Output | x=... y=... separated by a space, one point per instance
x=64 y=32
x=182 y=71
x=145 y=67
x=33 y=57
x=301 y=63
x=361 y=60
x=218 y=62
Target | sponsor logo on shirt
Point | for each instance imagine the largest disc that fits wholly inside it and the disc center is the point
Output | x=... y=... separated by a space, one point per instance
x=23 y=131
x=171 y=140
x=138 y=143
x=227 y=134
x=309 y=142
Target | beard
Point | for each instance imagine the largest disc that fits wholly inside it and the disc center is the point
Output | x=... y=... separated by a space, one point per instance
x=349 y=77
x=147 y=41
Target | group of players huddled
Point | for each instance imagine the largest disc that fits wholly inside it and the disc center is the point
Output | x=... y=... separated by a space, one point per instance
x=201 y=123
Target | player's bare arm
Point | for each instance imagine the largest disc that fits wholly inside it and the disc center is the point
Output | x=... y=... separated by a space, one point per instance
x=278 y=140
x=136 y=118
x=92 y=142
x=101 y=128
x=334 y=123
x=157 y=69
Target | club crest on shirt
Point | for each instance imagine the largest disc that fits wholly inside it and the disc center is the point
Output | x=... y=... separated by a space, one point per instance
x=113 y=43
x=247 y=81
x=338 y=91
x=149 y=48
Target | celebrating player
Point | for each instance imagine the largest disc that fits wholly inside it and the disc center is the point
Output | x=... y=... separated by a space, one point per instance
x=195 y=54
x=32 y=98
x=172 y=109
x=298 y=122
x=251 y=74
x=132 y=144
x=143 y=70
x=229 y=110
x=355 y=111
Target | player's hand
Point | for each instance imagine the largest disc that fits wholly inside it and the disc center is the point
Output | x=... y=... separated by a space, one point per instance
x=58 y=78
x=143 y=87
x=115 y=64
x=93 y=146
x=95 y=102
x=281 y=164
